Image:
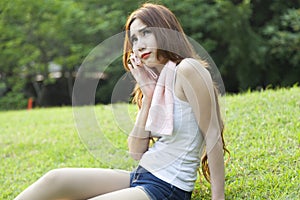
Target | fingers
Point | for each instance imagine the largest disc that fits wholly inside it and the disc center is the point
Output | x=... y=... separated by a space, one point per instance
x=151 y=72
x=138 y=61
x=135 y=61
x=139 y=70
x=130 y=66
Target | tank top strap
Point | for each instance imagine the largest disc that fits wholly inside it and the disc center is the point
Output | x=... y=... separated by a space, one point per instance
x=174 y=79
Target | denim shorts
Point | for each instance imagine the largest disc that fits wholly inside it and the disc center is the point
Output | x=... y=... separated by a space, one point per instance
x=155 y=187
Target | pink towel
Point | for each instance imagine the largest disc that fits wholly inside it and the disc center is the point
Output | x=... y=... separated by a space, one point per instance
x=160 y=116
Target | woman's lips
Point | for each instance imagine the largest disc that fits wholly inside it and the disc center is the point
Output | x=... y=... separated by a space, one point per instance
x=145 y=55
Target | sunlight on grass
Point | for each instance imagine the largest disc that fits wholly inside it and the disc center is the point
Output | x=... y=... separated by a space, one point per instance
x=262 y=134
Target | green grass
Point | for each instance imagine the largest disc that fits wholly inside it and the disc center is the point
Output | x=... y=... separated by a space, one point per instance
x=262 y=134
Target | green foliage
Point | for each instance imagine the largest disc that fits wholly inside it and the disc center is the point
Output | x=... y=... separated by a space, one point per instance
x=250 y=41
x=262 y=134
x=284 y=48
x=12 y=101
x=254 y=43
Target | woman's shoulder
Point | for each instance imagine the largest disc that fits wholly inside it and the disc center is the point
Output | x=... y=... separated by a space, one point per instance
x=192 y=67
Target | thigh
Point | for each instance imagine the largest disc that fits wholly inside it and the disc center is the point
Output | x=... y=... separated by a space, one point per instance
x=124 y=194
x=83 y=183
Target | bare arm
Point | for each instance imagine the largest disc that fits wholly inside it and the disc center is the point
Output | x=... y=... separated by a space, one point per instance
x=138 y=139
x=197 y=86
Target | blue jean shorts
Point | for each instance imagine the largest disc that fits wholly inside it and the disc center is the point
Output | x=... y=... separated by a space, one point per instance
x=156 y=188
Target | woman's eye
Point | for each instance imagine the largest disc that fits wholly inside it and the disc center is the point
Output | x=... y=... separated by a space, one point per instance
x=134 y=39
x=145 y=32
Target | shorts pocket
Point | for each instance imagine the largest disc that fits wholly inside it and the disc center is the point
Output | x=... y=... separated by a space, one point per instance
x=136 y=174
x=178 y=194
x=172 y=193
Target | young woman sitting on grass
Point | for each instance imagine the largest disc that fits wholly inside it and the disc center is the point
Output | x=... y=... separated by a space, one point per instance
x=178 y=106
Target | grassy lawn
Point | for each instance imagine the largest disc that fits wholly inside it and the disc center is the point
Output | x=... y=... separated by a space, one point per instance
x=262 y=133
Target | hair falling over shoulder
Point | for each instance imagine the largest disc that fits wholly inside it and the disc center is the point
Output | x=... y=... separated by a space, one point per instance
x=158 y=16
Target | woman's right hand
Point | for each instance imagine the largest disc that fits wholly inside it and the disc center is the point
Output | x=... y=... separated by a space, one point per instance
x=144 y=76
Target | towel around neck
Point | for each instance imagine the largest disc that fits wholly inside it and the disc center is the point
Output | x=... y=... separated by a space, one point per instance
x=160 y=116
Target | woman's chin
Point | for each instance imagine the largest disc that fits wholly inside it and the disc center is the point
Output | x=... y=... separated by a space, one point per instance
x=152 y=63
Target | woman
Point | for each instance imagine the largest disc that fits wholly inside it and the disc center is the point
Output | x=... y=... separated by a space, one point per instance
x=177 y=105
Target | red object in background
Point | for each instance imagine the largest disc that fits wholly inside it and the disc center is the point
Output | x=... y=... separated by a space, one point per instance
x=30 y=102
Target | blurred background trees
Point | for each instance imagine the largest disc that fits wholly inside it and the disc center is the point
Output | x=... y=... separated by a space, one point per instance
x=254 y=43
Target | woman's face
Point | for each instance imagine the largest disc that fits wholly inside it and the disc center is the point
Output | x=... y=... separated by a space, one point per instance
x=144 y=43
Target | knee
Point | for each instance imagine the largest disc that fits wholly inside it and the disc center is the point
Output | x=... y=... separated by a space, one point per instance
x=54 y=178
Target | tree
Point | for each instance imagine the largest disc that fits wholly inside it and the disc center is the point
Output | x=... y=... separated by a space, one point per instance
x=37 y=33
x=249 y=40
x=283 y=55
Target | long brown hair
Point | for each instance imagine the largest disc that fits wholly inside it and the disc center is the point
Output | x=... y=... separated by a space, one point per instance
x=159 y=16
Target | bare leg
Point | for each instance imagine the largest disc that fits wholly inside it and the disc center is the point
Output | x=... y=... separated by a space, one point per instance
x=76 y=183
x=125 y=194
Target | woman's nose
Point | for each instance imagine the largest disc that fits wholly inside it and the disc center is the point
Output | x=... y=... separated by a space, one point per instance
x=141 y=45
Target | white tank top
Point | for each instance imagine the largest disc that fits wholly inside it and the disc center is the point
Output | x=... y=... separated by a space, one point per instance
x=175 y=158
